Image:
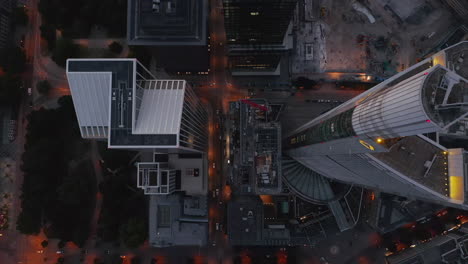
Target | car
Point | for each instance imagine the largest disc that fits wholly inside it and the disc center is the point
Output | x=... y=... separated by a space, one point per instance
x=217 y=226
x=40 y=251
x=217 y=192
x=107 y=252
x=29 y=91
x=30 y=104
x=214 y=165
x=59 y=251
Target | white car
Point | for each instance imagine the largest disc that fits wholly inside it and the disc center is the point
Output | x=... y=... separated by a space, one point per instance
x=29 y=91
x=217 y=226
x=214 y=165
x=217 y=192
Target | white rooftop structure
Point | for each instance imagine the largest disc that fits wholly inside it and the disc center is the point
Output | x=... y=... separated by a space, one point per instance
x=119 y=99
x=91 y=96
x=161 y=107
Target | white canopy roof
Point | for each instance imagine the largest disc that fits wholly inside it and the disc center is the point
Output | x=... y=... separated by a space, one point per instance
x=161 y=107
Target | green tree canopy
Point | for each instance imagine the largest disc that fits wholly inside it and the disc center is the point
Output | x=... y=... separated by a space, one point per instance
x=48 y=33
x=135 y=260
x=43 y=87
x=64 y=49
x=134 y=232
x=44 y=243
x=141 y=53
x=20 y=16
x=29 y=219
x=115 y=47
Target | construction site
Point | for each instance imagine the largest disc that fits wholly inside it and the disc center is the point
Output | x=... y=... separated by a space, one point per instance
x=379 y=38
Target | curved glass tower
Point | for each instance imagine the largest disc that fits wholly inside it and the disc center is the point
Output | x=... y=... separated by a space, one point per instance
x=376 y=139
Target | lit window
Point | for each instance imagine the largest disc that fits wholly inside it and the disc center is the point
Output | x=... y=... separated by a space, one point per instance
x=254 y=13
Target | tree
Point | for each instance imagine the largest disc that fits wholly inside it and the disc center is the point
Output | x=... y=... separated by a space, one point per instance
x=20 y=17
x=43 y=87
x=135 y=260
x=141 y=53
x=115 y=259
x=115 y=47
x=134 y=232
x=304 y=82
x=29 y=221
x=61 y=244
x=64 y=49
x=44 y=243
x=13 y=60
x=48 y=33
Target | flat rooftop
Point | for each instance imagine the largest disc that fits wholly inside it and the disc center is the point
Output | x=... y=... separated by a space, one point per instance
x=268 y=156
x=170 y=225
x=167 y=23
x=420 y=160
x=119 y=106
x=245 y=225
x=260 y=144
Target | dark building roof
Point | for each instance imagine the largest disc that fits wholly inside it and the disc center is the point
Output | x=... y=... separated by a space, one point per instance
x=245 y=224
x=167 y=23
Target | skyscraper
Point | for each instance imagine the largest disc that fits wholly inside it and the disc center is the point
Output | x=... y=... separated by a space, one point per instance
x=121 y=101
x=5 y=21
x=380 y=139
x=257 y=34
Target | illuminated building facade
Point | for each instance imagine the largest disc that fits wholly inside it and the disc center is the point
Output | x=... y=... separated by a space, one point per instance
x=379 y=139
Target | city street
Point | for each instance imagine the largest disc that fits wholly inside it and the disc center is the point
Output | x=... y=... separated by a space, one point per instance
x=301 y=105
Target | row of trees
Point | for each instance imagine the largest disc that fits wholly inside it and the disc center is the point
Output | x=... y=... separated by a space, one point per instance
x=59 y=184
x=124 y=214
x=76 y=18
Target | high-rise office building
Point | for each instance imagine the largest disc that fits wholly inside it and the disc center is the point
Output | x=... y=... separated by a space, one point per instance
x=380 y=139
x=5 y=21
x=257 y=34
x=121 y=101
